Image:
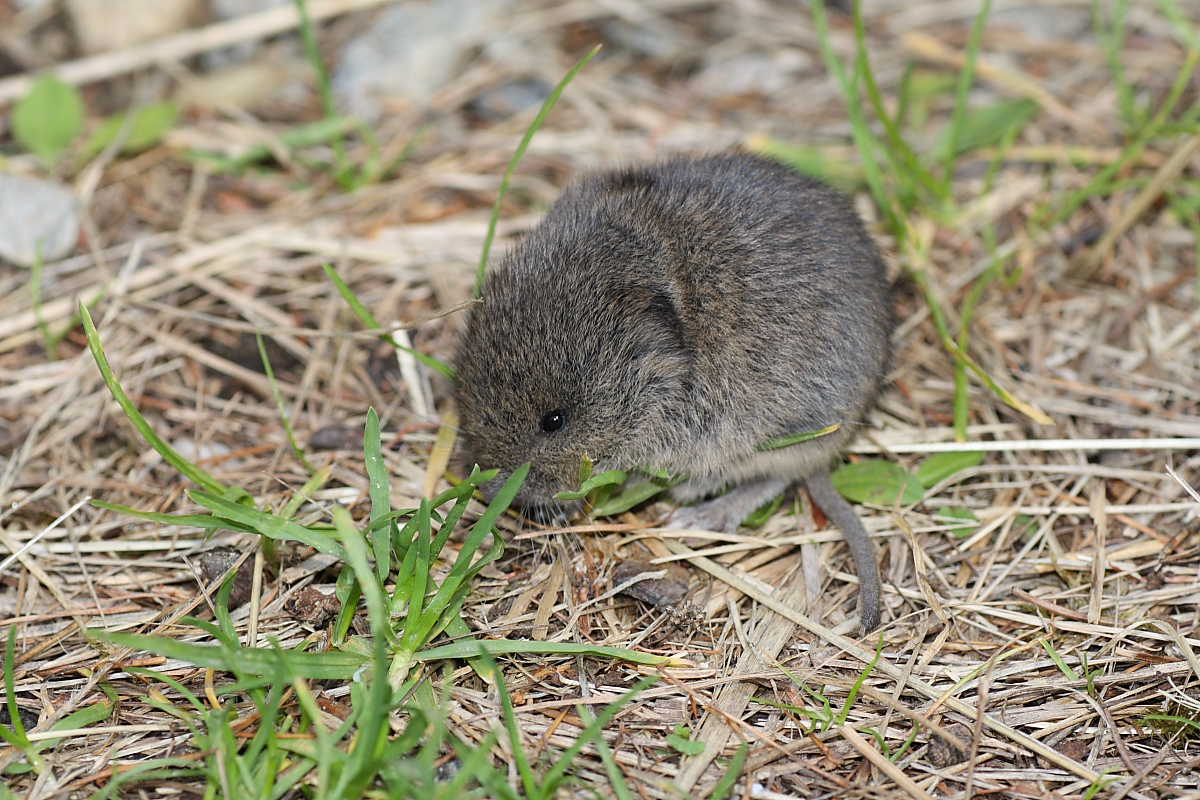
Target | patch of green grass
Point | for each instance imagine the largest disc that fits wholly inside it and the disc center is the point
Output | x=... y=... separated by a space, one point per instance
x=1177 y=721
x=388 y=565
x=822 y=716
x=909 y=184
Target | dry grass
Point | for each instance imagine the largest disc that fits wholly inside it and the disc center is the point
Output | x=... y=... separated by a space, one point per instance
x=1085 y=557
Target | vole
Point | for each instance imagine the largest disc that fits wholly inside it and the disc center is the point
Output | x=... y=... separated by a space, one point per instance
x=678 y=317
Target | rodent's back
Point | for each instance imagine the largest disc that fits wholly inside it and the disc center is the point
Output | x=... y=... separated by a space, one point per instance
x=781 y=292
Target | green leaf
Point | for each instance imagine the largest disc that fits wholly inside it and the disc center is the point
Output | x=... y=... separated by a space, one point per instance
x=763 y=513
x=987 y=126
x=814 y=161
x=140 y=129
x=316 y=133
x=629 y=497
x=964 y=514
x=48 y=119
x=940 y=466
x=681 y=741
x=724 y=787
x=796 y=438
x=269 y=525
x=1059 y=662
x=613 y=477
x=877 y=482
x=379 y=490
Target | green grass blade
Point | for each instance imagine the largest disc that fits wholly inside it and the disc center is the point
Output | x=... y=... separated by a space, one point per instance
x=356 y=558
x=864 y=139
x=724 y=787
x=203 y=521
x=331 y=665
x=1062 y=665
x=966 y=77
x=616 y=779
x=796 y=438
x=49 y=341
x=592 y=732
x=182 y=465
x=269 y=525
x=543 y=112
x=509 y=717
x=368 y=319
x=444 y=597
x=423 y=564
x=277 y=396
x=15 y=735
x=379 y=491
x=900 y=153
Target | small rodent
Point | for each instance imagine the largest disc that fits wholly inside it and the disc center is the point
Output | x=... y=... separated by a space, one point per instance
x=677 y=317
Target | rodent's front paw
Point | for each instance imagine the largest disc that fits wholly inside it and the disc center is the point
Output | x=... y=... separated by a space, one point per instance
x=712 y=515
x=725 y=513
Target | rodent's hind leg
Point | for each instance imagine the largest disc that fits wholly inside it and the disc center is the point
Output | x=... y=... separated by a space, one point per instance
x=866 y=563
x=726 y=512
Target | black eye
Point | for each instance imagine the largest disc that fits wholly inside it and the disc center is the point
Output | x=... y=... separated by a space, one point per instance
x=554 y=421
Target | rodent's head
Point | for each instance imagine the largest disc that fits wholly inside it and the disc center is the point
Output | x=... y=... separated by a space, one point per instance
x=575 y=350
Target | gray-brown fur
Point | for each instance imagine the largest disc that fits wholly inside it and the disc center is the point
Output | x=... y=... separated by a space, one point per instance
x=681 y=315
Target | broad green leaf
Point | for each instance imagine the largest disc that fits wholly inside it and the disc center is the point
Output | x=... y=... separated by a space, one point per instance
x=141 y=129
x=628 y=497
x=940 y=466
x=48 y=119
x=965 y=514
x=814 y=161
x=988 y=126
x=877 y=482
x=613 y=477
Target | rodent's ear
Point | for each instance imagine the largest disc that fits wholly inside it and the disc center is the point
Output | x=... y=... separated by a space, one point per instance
x=660 y=325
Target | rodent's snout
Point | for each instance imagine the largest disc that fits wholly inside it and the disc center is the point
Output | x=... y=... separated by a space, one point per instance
x=535 y=499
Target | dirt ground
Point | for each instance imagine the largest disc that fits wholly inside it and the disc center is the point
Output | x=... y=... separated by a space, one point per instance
x=1045 y=649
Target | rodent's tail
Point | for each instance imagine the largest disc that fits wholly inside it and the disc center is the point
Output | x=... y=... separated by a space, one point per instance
x=866 y=562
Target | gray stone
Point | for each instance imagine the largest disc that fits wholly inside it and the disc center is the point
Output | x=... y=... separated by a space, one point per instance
x=411 y=51
x=37 y=219
x=508 y=98
x=760 y=72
